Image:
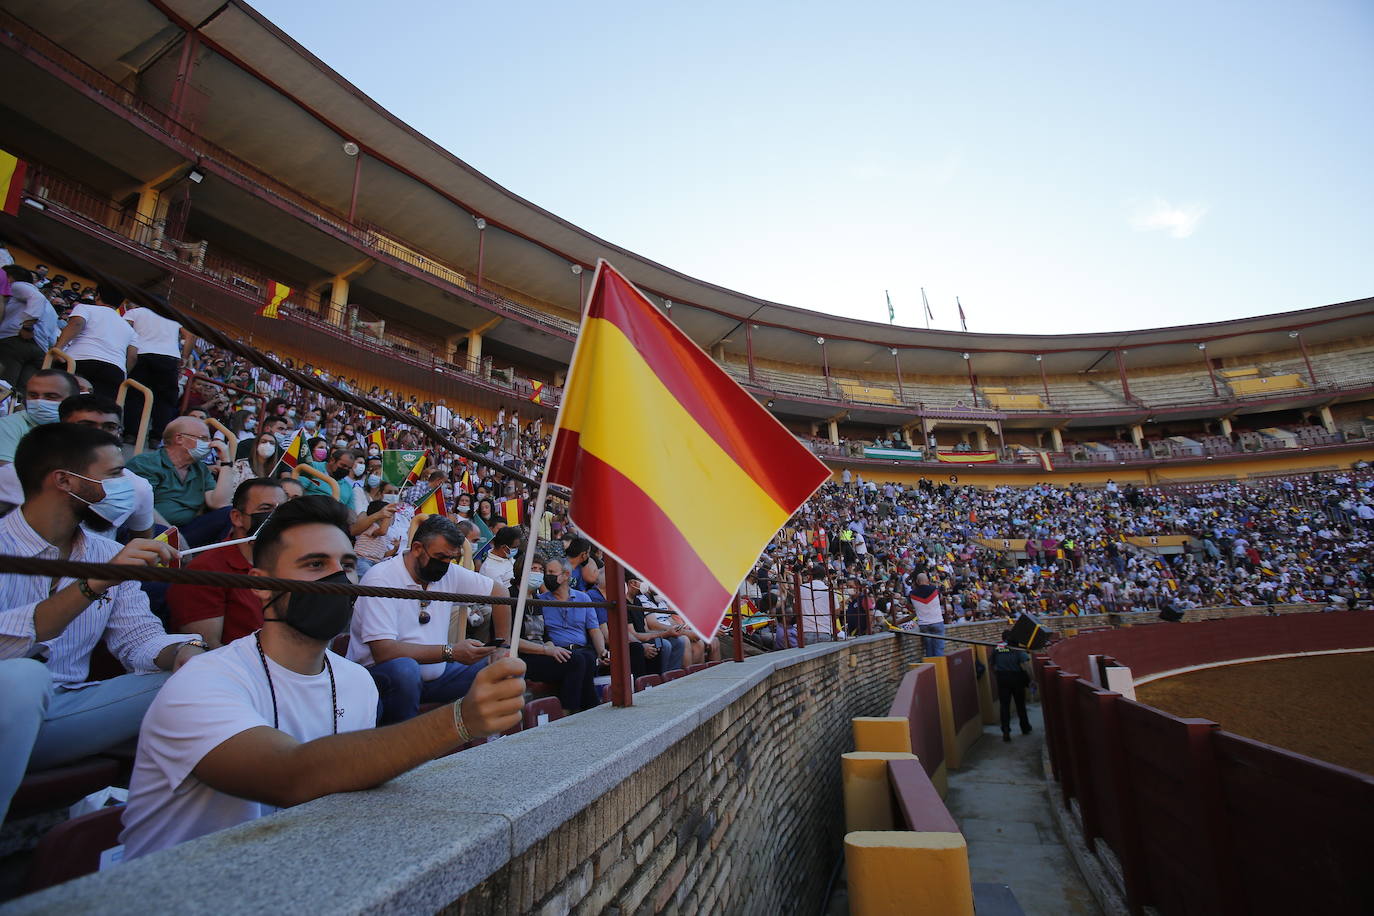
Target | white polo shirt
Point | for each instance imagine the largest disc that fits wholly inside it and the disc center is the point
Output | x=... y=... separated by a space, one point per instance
x=212 y=698
x=106 y=336
x=398 y=619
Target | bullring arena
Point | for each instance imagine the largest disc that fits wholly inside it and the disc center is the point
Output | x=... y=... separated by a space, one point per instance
x=1163 y=503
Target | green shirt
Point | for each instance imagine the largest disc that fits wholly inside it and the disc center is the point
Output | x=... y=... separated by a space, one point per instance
x=12 y=429
x=176 y=500
x=313 y=486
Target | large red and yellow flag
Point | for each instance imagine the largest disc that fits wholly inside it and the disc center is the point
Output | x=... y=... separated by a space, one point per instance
x=276 y=295
x=691 y=495
x=12 y=172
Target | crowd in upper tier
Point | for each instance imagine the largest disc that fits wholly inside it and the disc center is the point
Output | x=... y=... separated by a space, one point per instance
x=245 y=700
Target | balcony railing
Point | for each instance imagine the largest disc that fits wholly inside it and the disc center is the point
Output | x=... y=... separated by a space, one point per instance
x=97 y=212
x=361 y=232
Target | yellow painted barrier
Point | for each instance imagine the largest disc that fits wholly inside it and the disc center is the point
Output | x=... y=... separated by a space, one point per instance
x=882 y=733
x=892 y=872
x=868 y=801
x=958 y=737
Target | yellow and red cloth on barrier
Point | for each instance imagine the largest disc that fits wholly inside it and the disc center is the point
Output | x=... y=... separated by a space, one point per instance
x=952 y=457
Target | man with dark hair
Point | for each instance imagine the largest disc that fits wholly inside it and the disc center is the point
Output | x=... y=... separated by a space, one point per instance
x=278 y=720
x=277 y=426
x=50 y=713
x=45 y=391
x=101 y=342
x=27 y=330
x=341 y=461
x=103 y=414
x=222 y=615
x=817 y=620
x=499 y=564
x=577 y=554
x=405 y=644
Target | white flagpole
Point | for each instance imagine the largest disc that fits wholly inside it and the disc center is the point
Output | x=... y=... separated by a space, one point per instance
x=531 y=540
x=537 y=515
x=187 y=553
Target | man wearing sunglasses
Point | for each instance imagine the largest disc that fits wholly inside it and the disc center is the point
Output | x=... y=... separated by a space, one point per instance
x=95 y=412
x=275 y=719
x=405 y=644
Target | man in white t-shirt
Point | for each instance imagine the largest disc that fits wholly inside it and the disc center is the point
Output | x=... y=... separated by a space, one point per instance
x=405 y=644
x=499 y=565
x=274 y=719
x=102 y=343
x=162 y=346
x=817 y=618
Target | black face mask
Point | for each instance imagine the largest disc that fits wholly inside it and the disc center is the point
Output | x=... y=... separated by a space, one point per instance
x=550 y=582
x=318 y=617
x=256 y=521
x=433 y=569
x=339 y=473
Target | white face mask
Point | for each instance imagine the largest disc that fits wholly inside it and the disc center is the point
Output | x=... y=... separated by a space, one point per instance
x=391 y=497
x=267 y=449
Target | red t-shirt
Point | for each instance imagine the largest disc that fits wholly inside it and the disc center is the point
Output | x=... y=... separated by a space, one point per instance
x=240 y=608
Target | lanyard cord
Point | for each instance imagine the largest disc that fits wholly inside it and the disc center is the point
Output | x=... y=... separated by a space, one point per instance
x=333 y=690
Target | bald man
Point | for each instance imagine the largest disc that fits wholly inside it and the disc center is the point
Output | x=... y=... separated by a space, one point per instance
x=184 y=486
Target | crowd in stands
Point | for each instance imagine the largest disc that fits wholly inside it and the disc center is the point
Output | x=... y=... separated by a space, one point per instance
x=246 y=700
x=1289 y=541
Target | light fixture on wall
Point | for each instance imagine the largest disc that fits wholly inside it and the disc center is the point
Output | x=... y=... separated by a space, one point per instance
x=821 y=341
x=577 y=270
x=196 y=176
x=350 y=148
x=481 y=223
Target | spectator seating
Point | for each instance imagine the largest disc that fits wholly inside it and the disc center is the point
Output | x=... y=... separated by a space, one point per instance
x=61 y=786
x=73 y=848
x=547 y=707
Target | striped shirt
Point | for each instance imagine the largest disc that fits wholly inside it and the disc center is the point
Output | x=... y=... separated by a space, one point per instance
x=123 y=620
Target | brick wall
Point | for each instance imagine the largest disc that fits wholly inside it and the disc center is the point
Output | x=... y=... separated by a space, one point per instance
x=743 y=815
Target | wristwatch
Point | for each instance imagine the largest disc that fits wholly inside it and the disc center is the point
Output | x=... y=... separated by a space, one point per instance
x=448 y=653
x=200 y=644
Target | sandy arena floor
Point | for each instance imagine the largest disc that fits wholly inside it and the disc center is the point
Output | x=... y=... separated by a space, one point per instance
x=1318 y=705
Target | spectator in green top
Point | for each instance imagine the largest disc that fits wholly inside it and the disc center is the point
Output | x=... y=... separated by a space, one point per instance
x=184 y=488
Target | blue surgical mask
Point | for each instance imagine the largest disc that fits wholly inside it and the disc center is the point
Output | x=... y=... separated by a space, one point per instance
x=42 y=412
x=119 y=497
x=374 y=481
x=199 y=451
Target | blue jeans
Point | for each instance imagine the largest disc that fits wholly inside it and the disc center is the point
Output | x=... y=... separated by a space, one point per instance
x=45 y=726
x=672 y=649
x=933 y=647
x=400 y=691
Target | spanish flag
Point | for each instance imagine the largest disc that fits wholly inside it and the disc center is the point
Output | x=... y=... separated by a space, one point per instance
x=706 y=450
x=465 y=482
x=12 y=173
x=433 y=504
x=413 y=476
x=276 y=294
x=291 y=455
x=537 y=397
x=512 y=510
x=378 y=438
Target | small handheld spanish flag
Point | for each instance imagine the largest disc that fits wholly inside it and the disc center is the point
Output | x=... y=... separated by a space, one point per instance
x=276 y=295
x=378 y=438
x=433 y=504
x=537 y=396
x=512 y=510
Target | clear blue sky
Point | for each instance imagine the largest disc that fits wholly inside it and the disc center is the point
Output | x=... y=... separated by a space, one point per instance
x=1059 y=167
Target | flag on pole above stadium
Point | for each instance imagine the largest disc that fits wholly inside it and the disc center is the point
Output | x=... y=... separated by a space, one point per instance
x=276 y=295
x=702 y=450
x=12 y=173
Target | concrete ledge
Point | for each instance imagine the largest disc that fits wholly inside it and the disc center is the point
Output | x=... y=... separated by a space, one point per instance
x=421 y=841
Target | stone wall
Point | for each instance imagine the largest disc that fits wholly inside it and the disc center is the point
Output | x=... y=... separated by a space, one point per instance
x=742 y=815
x=719 y=792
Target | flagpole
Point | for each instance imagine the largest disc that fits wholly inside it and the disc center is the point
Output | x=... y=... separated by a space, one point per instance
x=527 y=560
x=926 y=304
